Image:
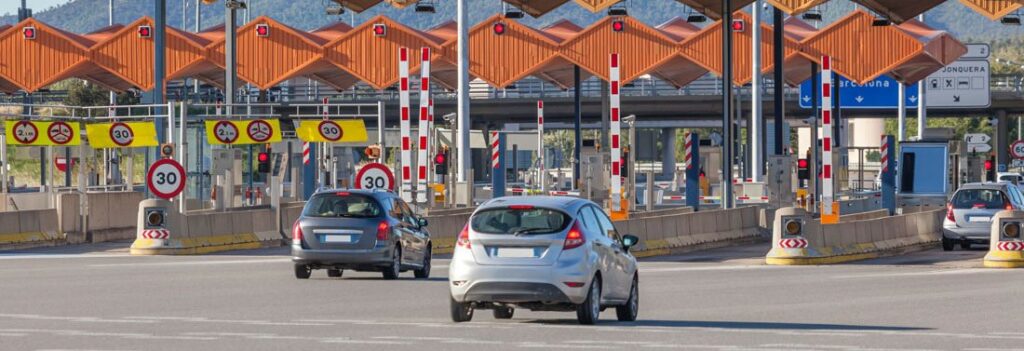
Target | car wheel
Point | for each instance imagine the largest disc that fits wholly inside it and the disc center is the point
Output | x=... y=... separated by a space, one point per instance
x=461 y=312
x=395 y=269
x=303 y=271
x=424 y=273
x=966 y=245
x=590 y=310
x=334 y=273
x=628 y=312
x=503 y=312
x=948 y=244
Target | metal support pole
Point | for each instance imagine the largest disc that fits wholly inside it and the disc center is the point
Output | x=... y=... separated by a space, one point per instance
x=380 y=133
x=230 y=59
x=67 y=167
x=577 y=128
x=922 y=104
x=159 y=35
x=463 y=146
x=779 y=81
x=3 y=160
x=756 y=114
x=901 y=113
x=727 y=104
x=813 y=183
x=181 y=151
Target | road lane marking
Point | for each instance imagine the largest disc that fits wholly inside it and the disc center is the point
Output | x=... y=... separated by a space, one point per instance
x=712 y=268
x=71 y=319
x=193 y=263
x=928 y=273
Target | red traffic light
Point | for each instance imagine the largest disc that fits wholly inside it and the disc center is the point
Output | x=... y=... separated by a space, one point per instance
x=618 y=26
x=802 y=163
x=263 y=30
x=988 y=165
x=440 y=158
x=145 y=31
x=499 y=28
x=263 y=157
x=29 y=32
x=738 y=25
x=380 y=29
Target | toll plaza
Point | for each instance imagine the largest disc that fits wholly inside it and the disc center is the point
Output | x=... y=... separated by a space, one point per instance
x=748 y=131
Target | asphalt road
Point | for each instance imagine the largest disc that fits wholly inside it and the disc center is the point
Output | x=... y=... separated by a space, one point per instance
x=98 y=298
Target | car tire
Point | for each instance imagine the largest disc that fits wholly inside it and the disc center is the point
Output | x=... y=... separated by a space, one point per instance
x=334 y=273
x=504 y=312
x=628 y=312
x=424 y=272
x=461 y=312
x=303 y=271
x=590 y=310
x=966 y=245
x=392 y=272
x=948 y=244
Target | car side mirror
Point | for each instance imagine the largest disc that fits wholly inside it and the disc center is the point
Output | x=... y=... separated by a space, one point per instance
x=628 y=241
x=423 y=222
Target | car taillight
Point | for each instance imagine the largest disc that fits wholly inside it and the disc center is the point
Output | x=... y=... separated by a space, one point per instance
x=463 y=240
x=382 y=231
x=1007 y=205
x=296 y=232
x=949 y=213
x=575 y=237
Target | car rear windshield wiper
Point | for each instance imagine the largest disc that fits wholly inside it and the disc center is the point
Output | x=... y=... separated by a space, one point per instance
x=531 y=231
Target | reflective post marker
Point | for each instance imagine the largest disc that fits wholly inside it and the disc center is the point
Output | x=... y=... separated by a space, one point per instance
x=498 y=164
x=888 y=175
x=422 y=134
x=541 y=169
x=616 y=154
x=403 y=98
x=829 y=208
x=693 y=170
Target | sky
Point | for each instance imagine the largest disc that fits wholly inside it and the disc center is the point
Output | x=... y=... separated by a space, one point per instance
x=11 y=6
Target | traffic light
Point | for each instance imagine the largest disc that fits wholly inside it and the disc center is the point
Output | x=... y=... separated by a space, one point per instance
x=263 y=162
x=624 y=163
x=167 y=150
x=738 y=25
x=441 y=162
x=499 y=28
x=380 y=29
x=145 y=32
x=29 y=33
x=262 y=30
x=990 y=169
x=803 y=169
x=618 y=26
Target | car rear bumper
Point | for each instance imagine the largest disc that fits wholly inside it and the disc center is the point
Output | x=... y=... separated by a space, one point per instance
x=377 y=257
x=972 y=234
x=472 y=282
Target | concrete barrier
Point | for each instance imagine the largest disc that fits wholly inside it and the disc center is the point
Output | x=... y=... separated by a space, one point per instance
x=29 y=228
x=24 y=201
x=203 y=232
x=850 y=240
x=1006 y=250
x=681 y=232
x=662 y=212
x=445 y=227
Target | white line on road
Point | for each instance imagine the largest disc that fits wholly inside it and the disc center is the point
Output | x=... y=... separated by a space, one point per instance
x=193 y=263
x=929 y=273
x=710 y=268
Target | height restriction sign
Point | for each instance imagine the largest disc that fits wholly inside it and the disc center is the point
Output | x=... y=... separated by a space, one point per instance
x=35 y=133
x=257 y=131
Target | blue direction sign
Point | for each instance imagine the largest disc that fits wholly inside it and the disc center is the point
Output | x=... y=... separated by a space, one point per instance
x=881 y=93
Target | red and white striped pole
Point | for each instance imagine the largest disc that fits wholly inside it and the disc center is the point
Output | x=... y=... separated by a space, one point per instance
x=827 y=190
x=689 y=151
x=885 y=153
x=616 y=186
x=495 y=150
x=542 y=173
x=430 y=134
x=421 y=160
x=305 y=153
x=403 y=99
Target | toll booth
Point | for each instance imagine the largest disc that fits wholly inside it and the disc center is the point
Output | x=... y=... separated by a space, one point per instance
x=927 y=169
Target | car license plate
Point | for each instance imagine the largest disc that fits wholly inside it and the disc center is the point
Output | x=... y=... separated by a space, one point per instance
x=979 y=219
x=513 y=252
x=337 y=238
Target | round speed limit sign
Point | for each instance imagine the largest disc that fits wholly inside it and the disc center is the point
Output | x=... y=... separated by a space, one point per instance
x=1017 y=149
x=166 y=178
x=375 y=176
x=121 y=134
x=330 y=130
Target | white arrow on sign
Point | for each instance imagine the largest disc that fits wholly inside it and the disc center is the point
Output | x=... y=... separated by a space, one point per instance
x=979 y=147
x=860 y=99
x=977 y=138
x=807 y=98
x=913 y=99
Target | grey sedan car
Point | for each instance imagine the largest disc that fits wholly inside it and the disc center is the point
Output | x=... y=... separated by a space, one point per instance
x=970 y=210
x=360 y=230
x=543 y=254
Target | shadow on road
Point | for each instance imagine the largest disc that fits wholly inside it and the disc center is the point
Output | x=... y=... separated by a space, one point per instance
x=933 y=257
x=746 y=253
x=735 y=325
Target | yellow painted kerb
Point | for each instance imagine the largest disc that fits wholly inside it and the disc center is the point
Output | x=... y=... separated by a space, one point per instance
x=196 y=246
x=18 y=238
x=1004 y=259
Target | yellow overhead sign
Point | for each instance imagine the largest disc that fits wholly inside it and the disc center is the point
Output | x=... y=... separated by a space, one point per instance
x=257 y=131
x=35 y=133
x=121 y=134
x=332 y=131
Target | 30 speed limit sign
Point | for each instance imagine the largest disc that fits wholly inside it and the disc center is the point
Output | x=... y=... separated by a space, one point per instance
x=375 y=176
x=1017 y=149
x=166 y=178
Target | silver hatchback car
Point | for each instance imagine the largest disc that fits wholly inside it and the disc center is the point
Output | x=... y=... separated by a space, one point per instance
x=969 y=212
x=360 y=230
x=543 y=254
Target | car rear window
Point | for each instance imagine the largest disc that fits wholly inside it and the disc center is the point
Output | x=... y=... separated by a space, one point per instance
x=342 y=205
x=989 y=199
x=519 y=220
